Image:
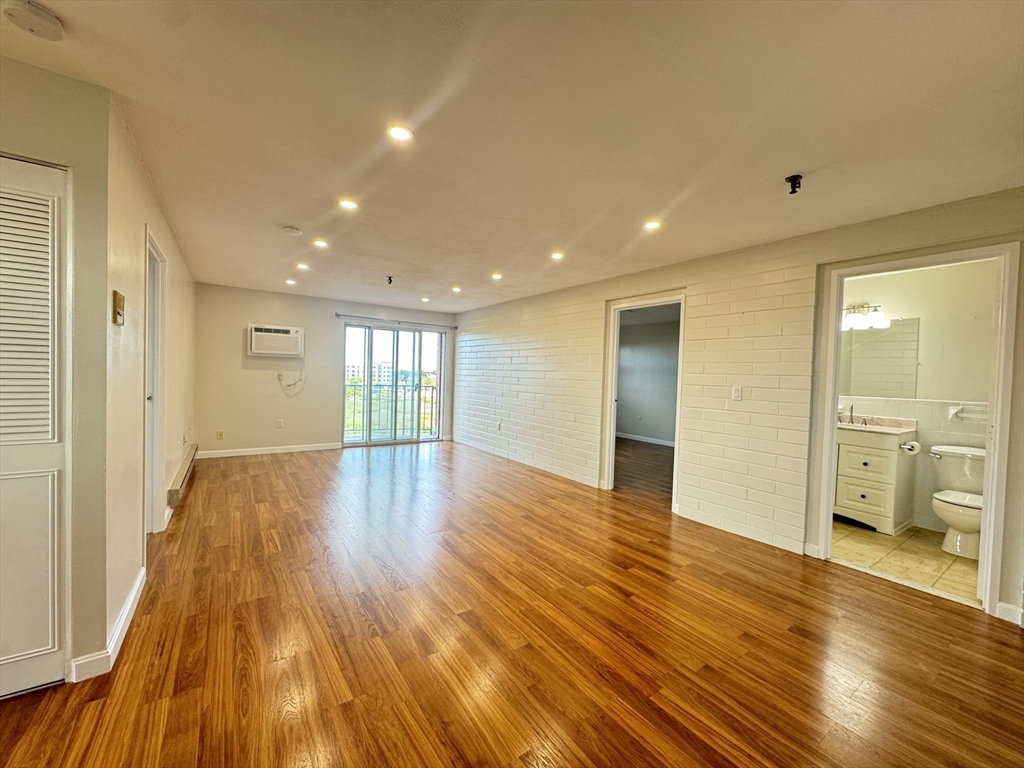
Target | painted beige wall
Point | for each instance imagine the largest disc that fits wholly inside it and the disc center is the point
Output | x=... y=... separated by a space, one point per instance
x=241 y=395
x=958 y=325
x=536 y=366
x=132 y=206
x=648 y=371
x=57 y=120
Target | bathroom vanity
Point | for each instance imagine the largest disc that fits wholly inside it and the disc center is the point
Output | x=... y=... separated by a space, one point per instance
x=874 y=476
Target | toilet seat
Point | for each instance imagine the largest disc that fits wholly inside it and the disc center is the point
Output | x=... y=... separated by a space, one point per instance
x=959 y=498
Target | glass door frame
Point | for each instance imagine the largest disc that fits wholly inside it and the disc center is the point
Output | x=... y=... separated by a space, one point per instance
x=367 y=404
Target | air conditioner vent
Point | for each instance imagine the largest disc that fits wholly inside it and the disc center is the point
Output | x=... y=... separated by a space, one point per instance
x=276 y=341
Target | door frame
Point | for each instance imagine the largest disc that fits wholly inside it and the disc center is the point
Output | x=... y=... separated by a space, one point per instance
x=442 y=378
x=614 y=308
x=826 y=400
x=155 y=508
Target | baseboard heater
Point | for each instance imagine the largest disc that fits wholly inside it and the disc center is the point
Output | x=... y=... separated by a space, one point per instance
x=180 y=482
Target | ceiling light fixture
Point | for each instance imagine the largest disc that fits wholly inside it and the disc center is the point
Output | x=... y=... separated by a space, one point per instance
x=320 y=243
x=399 y=133
x=456 y=289
x=496 y=276
x=424 y=299
x=290 y=282
x=557 y=256
x=349 y=205
x=652 y=225
x=302 y=266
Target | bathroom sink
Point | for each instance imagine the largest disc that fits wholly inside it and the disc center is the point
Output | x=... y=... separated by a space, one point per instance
x=883 y=429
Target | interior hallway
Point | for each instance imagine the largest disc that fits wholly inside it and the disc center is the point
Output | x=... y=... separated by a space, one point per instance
x=435 y=604
x=644 y=469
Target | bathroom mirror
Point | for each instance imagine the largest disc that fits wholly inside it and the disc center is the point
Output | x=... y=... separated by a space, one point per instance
x=880 y=362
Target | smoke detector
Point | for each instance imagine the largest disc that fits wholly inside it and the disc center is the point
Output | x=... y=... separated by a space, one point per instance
x=33 y=18
x=291 y=231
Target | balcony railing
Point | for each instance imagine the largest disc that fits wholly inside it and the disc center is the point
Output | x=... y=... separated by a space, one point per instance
x=394 y=409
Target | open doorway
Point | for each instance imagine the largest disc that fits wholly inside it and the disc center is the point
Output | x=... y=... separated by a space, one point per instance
x=155 y=492
x=642 y=397
x=918 y=368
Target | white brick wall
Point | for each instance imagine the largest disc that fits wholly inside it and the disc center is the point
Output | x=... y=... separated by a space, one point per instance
x=535 y=366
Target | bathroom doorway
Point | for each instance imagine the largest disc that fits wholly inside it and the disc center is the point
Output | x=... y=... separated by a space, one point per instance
x=642 y=394
x=912 y=420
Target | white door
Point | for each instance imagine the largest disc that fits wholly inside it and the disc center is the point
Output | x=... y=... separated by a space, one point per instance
x=32 y=440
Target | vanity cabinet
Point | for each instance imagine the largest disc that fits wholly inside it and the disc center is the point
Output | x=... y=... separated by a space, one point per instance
x=874 y=478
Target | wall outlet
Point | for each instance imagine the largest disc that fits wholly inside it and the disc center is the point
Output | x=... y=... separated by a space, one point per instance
x=737 y=393
x=280 y=423
x=220 y=434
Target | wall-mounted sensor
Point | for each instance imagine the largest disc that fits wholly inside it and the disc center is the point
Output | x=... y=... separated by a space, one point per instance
x=794 y=182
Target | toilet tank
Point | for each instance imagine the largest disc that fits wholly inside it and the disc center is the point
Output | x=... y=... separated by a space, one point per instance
x=959 y=467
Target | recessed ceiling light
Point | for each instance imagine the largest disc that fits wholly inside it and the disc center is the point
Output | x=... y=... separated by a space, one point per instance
x=302 y=266
x=350 y=205
x=652 y=224
x=424 y=299
x=399 y=133
x=456 y=289
x=496 y=276
x=557 y=256
x=290 y=282
x=320 y=243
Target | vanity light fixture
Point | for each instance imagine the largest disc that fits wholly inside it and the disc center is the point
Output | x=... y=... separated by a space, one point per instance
x=863 y=316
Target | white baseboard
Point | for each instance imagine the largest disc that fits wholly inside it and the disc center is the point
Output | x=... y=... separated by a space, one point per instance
x=675 y=507
x=448 y=437
x=667 y=443
x=1010 y=613
x=101 y=662
x=272 y=449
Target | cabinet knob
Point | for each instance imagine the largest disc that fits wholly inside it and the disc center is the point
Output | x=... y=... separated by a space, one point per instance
x=863 y=496
x=864 y=463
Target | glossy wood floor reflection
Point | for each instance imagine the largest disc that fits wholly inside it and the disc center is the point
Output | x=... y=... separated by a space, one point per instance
x=644 y=469
x=435 y=605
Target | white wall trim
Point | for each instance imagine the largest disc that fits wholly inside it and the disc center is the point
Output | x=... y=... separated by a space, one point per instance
x=101 y=662
x=271 y=449
x=811 y=550
x=654 y=440
x=168 y=511
x=1010 y=613
x=825 y=394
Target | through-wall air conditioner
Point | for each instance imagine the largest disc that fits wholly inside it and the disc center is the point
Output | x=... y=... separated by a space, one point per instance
x=275 y=341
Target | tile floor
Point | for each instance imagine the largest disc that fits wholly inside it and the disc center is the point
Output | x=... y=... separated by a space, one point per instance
x=914 y=556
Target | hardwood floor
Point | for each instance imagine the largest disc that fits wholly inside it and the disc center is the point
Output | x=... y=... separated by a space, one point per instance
x=644 y=469
x=436 y=605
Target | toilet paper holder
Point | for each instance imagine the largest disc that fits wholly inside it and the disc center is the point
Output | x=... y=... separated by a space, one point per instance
x=912 y=447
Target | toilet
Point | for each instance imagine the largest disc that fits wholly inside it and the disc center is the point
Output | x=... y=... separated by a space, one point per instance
x=960 y=472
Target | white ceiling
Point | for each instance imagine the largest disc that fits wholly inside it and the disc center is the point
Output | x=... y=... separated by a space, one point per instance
x=539 y=127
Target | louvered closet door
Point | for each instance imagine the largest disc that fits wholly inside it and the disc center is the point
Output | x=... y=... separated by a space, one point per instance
x=32 y=443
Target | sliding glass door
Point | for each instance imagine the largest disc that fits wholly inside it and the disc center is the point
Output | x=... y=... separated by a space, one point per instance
x=392 y=384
